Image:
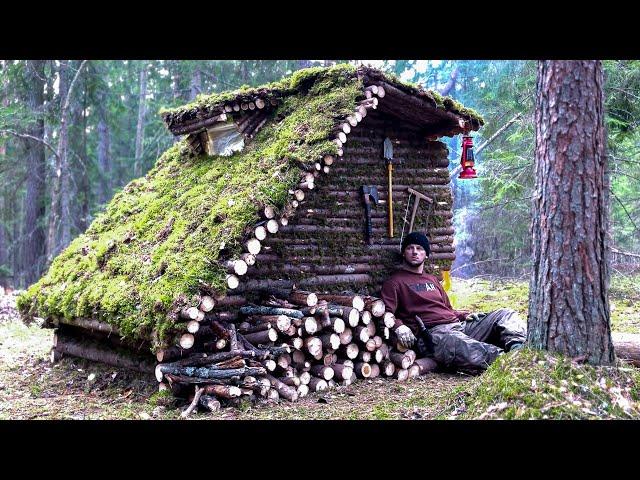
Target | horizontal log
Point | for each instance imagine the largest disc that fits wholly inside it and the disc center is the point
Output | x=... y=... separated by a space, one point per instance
x=346 y=337
x=342 y=372
x=388 y=368
x=364 y=156
x=375 y=305
x=329 y=279
x=322 y=371
x=334 y=215
x=295 y=268
x=425 y=365
x=364 y=356
x=283 y=390
x=303 y=390
x=212 y=373
x=87 y=324
x=188 y=127
x=202 y=359
x=222 y=391
x=266 y=336
x=362 y=370
x=400 y=359
x=354 y=301
x=263 y=310
x=317 y=384
x=92 y=350
x=231 y=301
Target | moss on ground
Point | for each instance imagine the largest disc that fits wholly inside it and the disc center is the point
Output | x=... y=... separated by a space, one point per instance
x=533 y=384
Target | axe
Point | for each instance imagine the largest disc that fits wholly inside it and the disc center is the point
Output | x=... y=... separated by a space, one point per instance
x=369 y=193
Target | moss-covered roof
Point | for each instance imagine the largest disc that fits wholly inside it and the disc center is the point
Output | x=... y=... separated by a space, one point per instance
x=160 y=239
x=210 y=105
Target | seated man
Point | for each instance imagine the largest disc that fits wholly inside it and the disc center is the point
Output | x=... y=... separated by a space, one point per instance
x=457 y=338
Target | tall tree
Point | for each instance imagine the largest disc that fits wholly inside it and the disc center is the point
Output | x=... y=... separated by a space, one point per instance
x=196 y=83
x=141 y=113
x=33 y=248
x=568 y=304
x=105 y=181
x=4 y=258
x=59 y=215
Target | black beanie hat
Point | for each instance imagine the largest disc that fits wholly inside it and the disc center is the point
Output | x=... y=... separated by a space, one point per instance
x=416 y=238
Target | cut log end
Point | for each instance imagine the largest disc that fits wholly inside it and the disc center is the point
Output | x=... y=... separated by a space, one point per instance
x=232 y=281
x=254 y=246
x=187 y=340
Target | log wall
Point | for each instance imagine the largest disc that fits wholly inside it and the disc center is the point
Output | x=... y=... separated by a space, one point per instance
x=324 y=245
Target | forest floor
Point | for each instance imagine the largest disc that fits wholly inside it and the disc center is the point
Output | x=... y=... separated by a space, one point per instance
x=32 y=388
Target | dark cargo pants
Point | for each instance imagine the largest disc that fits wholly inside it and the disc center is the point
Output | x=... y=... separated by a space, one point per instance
x=476 y=344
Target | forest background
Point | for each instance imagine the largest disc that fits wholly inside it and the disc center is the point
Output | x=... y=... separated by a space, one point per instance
x=73 y=133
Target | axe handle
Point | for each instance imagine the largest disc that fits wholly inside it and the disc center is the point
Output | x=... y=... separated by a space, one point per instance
x=367 y=207
x=390 y=170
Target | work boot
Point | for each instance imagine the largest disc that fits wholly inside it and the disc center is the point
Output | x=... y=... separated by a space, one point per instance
x=515 y=346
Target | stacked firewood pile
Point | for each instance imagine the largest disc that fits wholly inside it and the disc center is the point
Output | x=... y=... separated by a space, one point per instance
x=287 y=347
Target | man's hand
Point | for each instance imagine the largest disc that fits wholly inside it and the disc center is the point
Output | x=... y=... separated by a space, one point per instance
x=405 y=336
x=474 y=317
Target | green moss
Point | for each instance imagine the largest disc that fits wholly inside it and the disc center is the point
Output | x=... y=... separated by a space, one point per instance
x=533 y=384
x=162 y=398
x=320 y=79
x=160 y=238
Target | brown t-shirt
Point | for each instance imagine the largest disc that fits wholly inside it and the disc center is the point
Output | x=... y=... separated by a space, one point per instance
x=407 y=294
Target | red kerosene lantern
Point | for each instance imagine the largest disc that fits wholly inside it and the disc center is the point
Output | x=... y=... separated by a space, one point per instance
x=466 y=159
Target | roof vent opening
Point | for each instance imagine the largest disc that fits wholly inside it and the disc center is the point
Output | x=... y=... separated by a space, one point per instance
x=224 y=140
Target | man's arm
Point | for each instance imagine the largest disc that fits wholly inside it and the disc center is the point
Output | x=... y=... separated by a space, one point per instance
x=389 y=296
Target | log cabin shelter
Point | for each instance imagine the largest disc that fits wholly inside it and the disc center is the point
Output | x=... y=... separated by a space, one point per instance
x=263 y=192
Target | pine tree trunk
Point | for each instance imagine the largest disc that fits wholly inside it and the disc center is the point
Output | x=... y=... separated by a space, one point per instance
x=568 y=305
x=137 y=168
x=59 y=214
x=33 y=250
x=104 y=156
x=196 y=84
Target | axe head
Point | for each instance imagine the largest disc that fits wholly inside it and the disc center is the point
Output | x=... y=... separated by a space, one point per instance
x=371 y=191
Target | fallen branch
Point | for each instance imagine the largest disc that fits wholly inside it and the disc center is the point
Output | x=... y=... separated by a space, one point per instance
x=194 y=403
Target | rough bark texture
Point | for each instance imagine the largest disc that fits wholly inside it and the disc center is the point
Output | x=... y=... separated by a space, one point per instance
x=59 y=217
x=140 y=129
x=104 y=155
x=569 y=306
x=33 y=250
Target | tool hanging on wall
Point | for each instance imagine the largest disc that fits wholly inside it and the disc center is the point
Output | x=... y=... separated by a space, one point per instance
x=369 y=193
x=388 y=156
x=417 y=197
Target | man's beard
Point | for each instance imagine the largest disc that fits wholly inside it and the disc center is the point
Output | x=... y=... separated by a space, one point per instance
x=414 y=263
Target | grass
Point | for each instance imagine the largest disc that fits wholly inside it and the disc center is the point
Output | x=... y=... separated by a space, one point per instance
x=520 y=385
